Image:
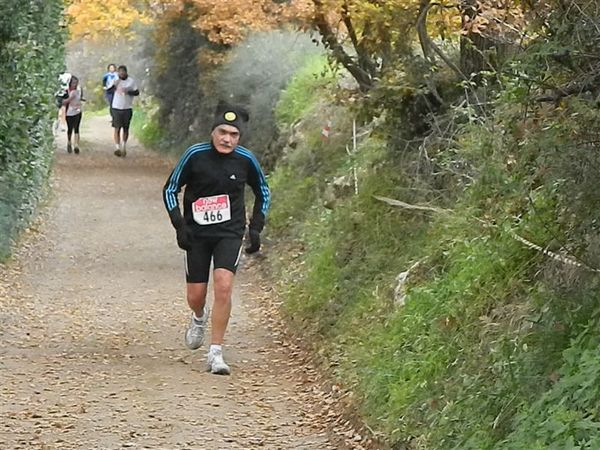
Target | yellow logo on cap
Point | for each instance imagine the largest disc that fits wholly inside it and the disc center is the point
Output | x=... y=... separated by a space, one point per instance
x=230 y=116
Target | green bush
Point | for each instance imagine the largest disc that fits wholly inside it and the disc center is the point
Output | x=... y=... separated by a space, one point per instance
x=566 y=416
x=145 y=126
x=303 y=90
x=31 y=57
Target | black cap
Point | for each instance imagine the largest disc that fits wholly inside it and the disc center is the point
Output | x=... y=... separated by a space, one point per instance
x=227 y=114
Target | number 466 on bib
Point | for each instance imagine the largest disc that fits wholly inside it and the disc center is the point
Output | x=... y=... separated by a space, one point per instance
x=211 y=210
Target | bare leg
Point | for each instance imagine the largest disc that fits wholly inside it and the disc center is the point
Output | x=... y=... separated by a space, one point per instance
x=57 y=123
x=116 y=136
x=196 y=297
x=223 y=286
x=62 y=117
x=124 y=141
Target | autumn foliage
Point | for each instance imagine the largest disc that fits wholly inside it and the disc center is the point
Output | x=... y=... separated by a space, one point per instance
x=377 y=33
x=94 y=19
x=228 y=22
x=222 y=23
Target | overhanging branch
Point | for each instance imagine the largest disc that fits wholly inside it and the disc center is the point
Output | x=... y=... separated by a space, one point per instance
x=331 y=42
x=427 y=43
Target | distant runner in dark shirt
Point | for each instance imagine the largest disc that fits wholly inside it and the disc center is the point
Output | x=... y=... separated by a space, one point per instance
x=108 y=81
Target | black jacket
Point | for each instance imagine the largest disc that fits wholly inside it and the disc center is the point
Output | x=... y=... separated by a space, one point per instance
x=207 y=173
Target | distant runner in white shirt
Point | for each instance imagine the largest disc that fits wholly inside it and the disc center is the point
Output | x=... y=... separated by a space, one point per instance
x=74 y=107
x=125 y=90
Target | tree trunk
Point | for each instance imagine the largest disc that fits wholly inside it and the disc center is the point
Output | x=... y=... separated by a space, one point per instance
x=473 y=46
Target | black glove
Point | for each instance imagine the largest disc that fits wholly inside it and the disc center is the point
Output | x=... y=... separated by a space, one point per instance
x=184 y=238
x=254 y=241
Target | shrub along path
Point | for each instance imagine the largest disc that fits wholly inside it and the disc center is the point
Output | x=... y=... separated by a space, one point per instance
x=92 y=315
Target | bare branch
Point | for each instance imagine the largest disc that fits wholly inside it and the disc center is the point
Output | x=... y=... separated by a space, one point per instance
x=364 y=60
x=564 y=259
x=391 y=201
x=349 y=25
x=569 y=260
x=427 y=43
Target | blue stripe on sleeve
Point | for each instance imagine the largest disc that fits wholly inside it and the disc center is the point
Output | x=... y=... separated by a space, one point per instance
x=264 y=188
x=170 y=196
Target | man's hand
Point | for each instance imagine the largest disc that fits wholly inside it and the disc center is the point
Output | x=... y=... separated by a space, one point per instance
x=184 y=239
x=254 y=241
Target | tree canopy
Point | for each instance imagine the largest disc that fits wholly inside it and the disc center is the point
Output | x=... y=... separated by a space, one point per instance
x=93 y=19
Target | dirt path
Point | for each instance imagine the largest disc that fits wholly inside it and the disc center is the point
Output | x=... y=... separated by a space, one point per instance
x=92 y=321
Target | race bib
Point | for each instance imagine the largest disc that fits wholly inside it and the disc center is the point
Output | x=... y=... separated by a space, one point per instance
x=211 y=210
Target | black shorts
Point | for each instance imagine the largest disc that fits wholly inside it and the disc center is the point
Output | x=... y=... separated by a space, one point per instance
x=121 y=118
x=73 y=123
x=224 y=252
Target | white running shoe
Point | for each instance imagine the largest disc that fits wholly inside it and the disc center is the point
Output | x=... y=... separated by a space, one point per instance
x=216 y=364
x=194 y=335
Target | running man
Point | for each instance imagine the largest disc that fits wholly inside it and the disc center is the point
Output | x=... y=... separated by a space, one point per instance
x=213 y=223
x=122 y=112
